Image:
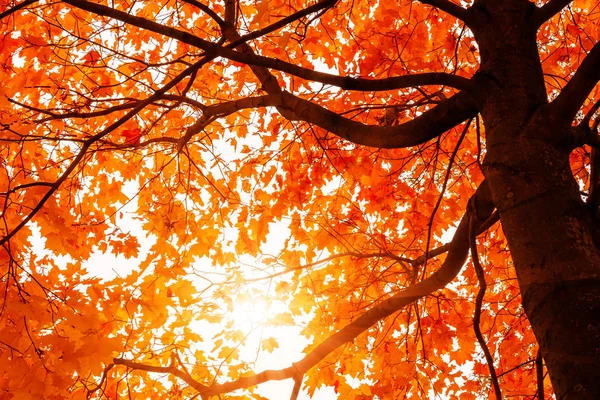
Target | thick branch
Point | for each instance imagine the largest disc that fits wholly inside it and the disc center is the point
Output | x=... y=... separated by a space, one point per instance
x=427 y=126
x=579 y=87
x=449 y=8
x=457 y=255
x=549 y=10
x=480 y=215
x=16 y=8
x=397 y=82
x=249 y=58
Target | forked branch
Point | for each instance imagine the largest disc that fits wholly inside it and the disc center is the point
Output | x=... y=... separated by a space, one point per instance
x=427 y=126
x=98 y=136
x=228 y=52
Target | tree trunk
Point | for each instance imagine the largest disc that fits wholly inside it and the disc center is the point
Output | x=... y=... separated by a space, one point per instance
x=548 y=226
x=549 y=231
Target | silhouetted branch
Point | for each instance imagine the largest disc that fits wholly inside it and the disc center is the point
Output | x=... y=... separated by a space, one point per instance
x=89 y=142
x=421 y=129
x=347 y=83
x=103 y=379
x=16 y=8
x=479 y=214
x=445 y=185
x=382 y=254
x=539 y=372
x=163 y=370
x=577 y=90
x=478 y=304
x=457 y=255
x=549 y=10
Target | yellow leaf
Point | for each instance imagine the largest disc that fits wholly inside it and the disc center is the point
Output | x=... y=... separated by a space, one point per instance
x=269 y=344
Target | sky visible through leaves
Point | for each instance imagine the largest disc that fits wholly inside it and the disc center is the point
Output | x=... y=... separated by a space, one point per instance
x=192 y=195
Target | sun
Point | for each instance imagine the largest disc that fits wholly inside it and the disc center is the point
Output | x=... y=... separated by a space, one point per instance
x=249 y=313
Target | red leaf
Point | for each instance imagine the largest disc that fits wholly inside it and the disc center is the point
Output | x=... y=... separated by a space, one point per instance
x=132 y=136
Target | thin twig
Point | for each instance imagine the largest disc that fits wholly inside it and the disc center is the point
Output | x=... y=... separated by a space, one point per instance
x=539 y=371
x=443 y=191
x=297 y=386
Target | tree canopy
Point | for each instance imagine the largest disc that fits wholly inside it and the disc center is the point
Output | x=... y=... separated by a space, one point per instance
x=168 y=167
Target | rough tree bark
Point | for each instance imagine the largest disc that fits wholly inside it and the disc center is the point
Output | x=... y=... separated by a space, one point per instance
x=550 y=230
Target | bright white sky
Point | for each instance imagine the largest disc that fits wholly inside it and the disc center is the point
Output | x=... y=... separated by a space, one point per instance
x=248 y=319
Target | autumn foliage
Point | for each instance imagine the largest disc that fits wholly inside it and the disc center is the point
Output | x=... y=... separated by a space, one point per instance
x=184 y=184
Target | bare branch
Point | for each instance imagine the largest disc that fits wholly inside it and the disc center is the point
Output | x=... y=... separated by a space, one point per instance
x=427 y=126
x=74 y=114
x=478 y=304
x=449 y=8
x=549 y=10
x=163 y=370
x=297 y=387
x=102 y=379
x=209 y=113
x=249 y=58
x=230 y=12
x=444 y=186
x=480 y=215
x=16 y=8
x=383 y=254
x=457 y=255
x=575 y=92
x=539 y=372
x=397 y=82
x=209 y=11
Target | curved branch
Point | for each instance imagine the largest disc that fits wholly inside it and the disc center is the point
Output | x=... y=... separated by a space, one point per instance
x=209 y=113
x=457 y=255
x=423 y=128
x=480 y=214
x=163 y=370
x=574 y=94
x=429 y=125
x=347 y=83
x=549 y=10
x=383 y=254
x=478 y=304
